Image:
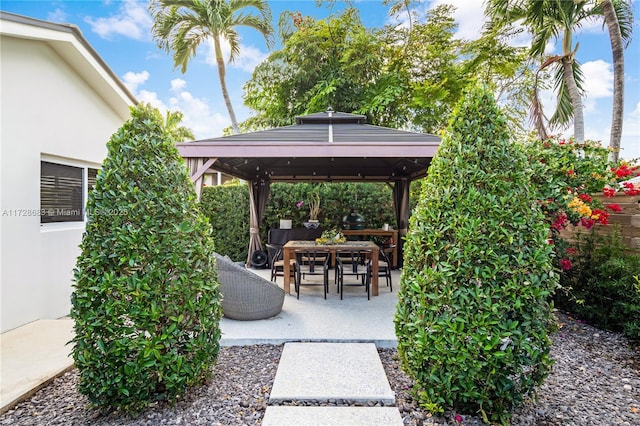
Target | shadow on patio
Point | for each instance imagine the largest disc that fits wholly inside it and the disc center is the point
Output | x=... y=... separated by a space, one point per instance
x=312 y=318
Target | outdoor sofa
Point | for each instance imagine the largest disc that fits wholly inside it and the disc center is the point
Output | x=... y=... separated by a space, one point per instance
x=245 y=295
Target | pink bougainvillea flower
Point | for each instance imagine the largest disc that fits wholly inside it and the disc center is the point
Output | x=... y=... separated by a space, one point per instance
x=559 y=222
x=609 y=192
x=565 y=264
x=299 y=204
x=587 y=223
x=458 y=418
x=614 y=207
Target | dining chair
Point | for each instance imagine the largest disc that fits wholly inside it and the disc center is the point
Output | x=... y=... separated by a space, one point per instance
x=355 y=263
x=384 y=268
x=312 y=262
x=277 y=262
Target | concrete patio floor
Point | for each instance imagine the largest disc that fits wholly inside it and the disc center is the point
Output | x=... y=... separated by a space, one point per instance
x=312 y=318
x=34 y=354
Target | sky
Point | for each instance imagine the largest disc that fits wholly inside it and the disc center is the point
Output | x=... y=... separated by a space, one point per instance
x=120 y=31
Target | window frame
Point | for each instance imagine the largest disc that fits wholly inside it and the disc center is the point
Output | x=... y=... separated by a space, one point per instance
x=86 y=168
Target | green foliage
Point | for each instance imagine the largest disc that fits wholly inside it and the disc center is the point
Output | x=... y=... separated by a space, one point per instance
x=600 y=286
x=146 y=302
x=227 y=208
x=473 y=312
x=372 y=200
x=174 y=128
x=330 y=62
x=398 y=77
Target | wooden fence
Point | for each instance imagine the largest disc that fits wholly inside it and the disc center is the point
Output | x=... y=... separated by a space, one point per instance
x=627 y=220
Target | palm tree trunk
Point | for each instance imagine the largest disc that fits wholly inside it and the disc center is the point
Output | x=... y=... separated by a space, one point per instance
x=576 y=100
x=615 y=37
x=223 y=84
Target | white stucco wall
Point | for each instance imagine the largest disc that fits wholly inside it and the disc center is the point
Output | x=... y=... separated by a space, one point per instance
x=48 y=111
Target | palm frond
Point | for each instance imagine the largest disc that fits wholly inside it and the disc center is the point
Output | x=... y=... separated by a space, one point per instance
x=536 y=114
x=233 y=38
x=563 y=113
x=624 y=13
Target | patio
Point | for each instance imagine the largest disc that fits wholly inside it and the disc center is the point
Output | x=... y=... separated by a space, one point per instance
x=312 y=318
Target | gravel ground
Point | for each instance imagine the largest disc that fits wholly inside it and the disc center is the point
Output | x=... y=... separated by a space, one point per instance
x=596 y=381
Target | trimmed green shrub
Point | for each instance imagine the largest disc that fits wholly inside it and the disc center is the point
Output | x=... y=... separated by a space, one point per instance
x=473 y=311
x=600 y=286
x=227 y=208
x=146 y=302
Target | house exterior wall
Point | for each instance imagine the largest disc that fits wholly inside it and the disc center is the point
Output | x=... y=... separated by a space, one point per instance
x=48 y=112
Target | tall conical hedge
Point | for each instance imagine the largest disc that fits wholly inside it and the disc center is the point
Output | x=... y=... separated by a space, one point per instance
x=473 y=311
x=146 y=300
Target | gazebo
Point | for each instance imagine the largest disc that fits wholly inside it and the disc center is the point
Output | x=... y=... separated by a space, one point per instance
x=322 y=147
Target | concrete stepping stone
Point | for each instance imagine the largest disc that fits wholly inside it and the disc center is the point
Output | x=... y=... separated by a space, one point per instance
x=324 y=371
x=334 y=416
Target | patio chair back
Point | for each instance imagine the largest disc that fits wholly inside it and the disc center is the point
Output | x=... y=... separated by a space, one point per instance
x=354 y=263
x=312 y=262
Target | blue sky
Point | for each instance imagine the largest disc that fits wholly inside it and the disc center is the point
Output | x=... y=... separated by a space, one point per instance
x=120 y=32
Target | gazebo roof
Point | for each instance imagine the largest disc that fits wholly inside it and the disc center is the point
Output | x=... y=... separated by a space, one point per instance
x=325 y=146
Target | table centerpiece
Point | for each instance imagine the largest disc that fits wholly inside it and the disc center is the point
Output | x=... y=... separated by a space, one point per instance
x=331 y=236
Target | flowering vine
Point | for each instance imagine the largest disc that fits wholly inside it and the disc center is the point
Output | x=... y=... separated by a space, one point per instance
x=565 y=174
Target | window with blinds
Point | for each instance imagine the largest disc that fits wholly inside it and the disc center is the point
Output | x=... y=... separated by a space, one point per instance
x=92 y=176
x=62 y=192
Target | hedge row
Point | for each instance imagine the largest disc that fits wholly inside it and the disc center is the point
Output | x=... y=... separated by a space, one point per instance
x=227 y=208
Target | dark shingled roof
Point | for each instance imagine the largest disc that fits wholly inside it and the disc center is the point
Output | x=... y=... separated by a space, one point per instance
x=325 y=146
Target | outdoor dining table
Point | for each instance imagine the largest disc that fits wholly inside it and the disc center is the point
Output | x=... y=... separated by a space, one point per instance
x=291 y=246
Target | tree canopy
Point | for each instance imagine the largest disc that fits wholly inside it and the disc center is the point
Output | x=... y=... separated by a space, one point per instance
x=398 y=76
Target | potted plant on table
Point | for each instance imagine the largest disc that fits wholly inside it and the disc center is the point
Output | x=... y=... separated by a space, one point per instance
x=314 y=210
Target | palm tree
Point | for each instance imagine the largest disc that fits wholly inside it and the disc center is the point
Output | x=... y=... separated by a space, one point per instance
x=173 y=126
x=180 y=26
x=549 y=20
x=618 y=16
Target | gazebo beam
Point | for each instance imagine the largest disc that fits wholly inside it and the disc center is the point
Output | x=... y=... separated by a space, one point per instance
x=202 y=169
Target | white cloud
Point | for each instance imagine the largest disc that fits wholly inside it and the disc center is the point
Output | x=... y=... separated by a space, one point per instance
x=177 y=84
x=151 y=98
x=598 y=78
x=592 y=26
x=58 y=15
x=198 y=116
x=132 y=21
x=132 y=79
x=468 y=14
x=248 y=59
x=631 y=134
